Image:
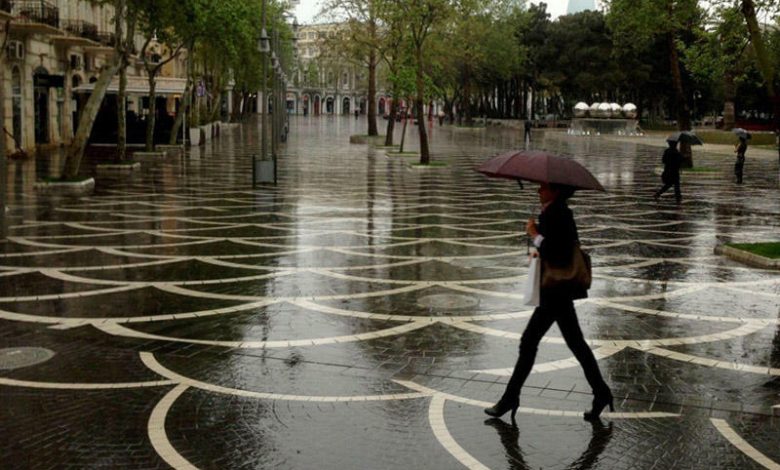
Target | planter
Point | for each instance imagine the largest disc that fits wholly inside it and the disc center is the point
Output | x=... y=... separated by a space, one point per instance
x=207 y=129
x=366 y=139
x=149 y=156
x=194 y=136
x=67 y=188
x=746 y=257
x=116 y=170
x=265 y=171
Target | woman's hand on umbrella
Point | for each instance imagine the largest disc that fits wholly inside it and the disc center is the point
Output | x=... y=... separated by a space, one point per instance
x=531 y=229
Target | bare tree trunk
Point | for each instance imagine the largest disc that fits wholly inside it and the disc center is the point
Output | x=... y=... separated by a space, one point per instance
x=216 y=105
x=151 y=120
x=683 y=114
x=88 y=116
x=372 y=60
x=403 y=134
x=184 y=107
x=391 y=121
x=729 y=96
x=121 y=114
x=121 y=102
x=765 y=64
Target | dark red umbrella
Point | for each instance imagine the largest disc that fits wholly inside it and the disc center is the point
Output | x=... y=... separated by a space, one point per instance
x=540 y=167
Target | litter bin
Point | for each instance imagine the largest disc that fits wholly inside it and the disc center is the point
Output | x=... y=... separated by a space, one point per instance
x=263 y=170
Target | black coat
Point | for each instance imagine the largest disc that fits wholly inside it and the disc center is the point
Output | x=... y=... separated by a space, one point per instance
x=557 y=226
x=672 y=160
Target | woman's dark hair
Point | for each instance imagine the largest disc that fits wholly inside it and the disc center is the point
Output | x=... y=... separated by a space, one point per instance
x=564 y=190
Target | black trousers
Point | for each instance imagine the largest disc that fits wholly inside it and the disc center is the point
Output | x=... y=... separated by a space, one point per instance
x=677 y=193
x=561 y=312
x=738 y=168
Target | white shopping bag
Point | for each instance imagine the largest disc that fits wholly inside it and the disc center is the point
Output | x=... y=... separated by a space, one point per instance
x=532 y=283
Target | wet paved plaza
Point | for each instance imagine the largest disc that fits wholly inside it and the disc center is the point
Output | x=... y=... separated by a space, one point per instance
x=363 y=312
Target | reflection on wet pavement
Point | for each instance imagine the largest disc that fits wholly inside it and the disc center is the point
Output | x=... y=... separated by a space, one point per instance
x=361 y=313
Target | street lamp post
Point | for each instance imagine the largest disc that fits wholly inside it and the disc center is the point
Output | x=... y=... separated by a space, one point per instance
x=274 y=106
x=3 y=186
x=696 y=96
x=263 y=47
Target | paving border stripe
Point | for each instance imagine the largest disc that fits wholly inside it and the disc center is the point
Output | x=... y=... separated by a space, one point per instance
x=71 y=295
x=82 y=386
x=307 y=304
x=442 y=434
x=151 y=362
x=535 y=411
x=733 y=366
x=82 y=321
x=44 y=253
x=159 y=437
x=737 y=441
x=542 y=367
x=122 y=331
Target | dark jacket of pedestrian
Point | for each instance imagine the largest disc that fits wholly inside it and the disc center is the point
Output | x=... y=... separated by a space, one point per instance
x=672 y=160
x=559 y=232
x=741 y=148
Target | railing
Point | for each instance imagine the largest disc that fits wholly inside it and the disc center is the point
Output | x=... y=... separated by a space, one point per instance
x=6 y=6
x=81 y=28
x=37 y=11
x=107 y=39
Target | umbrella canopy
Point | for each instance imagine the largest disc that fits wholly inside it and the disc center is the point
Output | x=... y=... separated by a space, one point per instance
x=742 y=133
x=685 y=137
x=540 y=167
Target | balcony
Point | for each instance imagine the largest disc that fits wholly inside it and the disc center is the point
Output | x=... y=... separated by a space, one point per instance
x=6 y=6
x=81 y=29
x=107 y=39
x=35 y=16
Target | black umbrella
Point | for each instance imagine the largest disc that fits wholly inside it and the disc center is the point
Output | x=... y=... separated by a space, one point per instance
x=685 y=137
x=741 y=133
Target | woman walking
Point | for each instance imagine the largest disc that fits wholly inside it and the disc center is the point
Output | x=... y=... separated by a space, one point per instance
x=556 y=239
x=740 y=150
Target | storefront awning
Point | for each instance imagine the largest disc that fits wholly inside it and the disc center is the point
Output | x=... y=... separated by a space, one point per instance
x=140 y=86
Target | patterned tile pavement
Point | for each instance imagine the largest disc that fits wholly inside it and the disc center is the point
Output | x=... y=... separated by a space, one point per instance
x=361 y=313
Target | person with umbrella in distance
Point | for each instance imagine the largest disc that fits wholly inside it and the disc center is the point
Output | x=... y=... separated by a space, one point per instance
x=672 y=160
x=740 y=150
x=565 y=269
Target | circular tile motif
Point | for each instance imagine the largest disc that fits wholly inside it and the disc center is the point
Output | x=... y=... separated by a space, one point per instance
x=16 y=358
x=447 y=302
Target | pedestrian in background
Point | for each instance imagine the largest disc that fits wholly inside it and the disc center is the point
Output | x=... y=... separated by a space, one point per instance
x=740 y=150
x=672 y=160
x=527 y=127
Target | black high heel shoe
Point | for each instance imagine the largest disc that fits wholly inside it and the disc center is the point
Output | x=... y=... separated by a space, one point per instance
x=499 y=409
x=599 y=403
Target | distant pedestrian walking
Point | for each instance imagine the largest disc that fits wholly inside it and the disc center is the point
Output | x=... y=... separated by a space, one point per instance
x=527 y=127
x=672 y=161
x=356 y=113
x=740 y=150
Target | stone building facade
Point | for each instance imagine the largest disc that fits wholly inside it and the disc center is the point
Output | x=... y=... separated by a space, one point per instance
x=323 y=86
x=54 y=50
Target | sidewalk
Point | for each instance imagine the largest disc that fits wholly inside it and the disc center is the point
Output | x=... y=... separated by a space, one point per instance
x=361 y=314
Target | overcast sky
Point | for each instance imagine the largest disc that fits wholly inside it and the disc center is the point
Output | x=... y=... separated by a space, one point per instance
x=307 y=9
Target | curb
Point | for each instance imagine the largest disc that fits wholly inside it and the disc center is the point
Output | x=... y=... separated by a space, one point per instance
x=746 y=257
x=67 y=188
